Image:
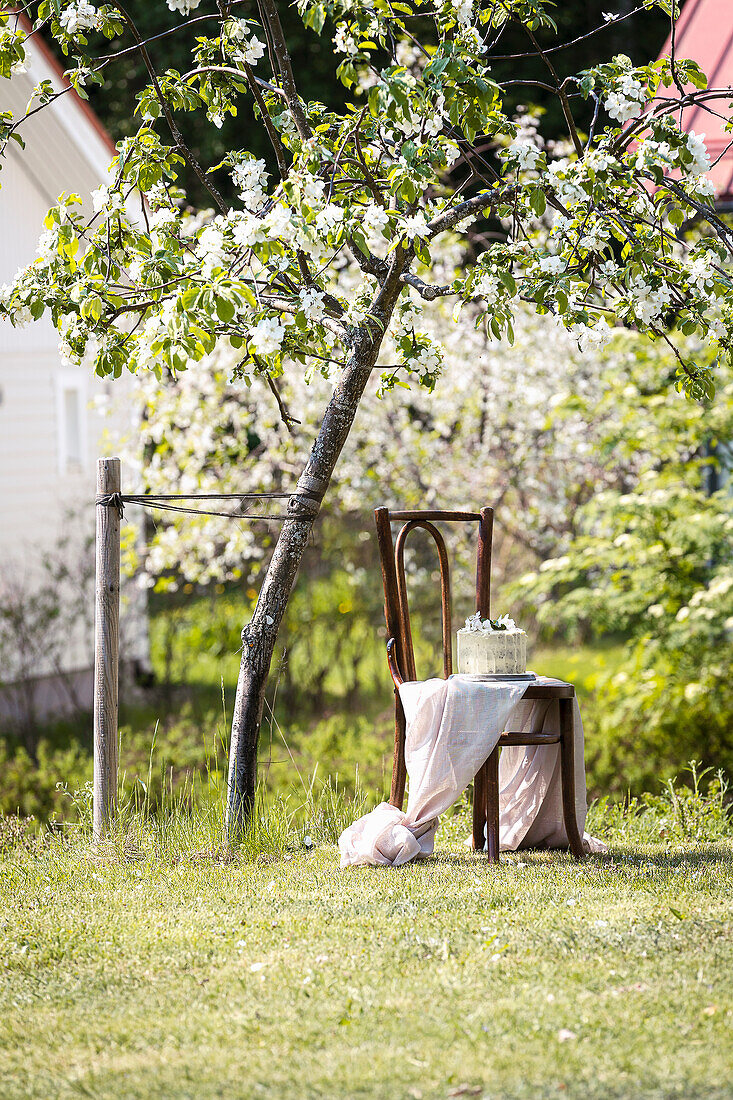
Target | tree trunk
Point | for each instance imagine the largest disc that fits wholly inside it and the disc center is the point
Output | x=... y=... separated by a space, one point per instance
x=259 y=636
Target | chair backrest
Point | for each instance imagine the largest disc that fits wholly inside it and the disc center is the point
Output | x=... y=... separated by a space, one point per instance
x=392 y=554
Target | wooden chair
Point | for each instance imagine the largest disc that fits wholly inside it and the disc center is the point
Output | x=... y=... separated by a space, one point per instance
x=401 y=660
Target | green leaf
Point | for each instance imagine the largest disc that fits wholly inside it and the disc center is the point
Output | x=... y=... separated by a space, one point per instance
x=421 y=250
x=509 y=282
x=224 y=309
x=538 y=202
x=92 y=307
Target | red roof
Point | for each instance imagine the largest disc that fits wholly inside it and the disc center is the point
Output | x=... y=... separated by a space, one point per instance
x=58 y=70
x=705 y=35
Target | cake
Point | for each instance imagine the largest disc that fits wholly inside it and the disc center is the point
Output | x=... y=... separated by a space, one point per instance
x=495 y=647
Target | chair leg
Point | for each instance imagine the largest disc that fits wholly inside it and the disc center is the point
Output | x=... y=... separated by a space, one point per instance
x=492 y=806
x=399 y=771
x=479 y=809
x=567 y=766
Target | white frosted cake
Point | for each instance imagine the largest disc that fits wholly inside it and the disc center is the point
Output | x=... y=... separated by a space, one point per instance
x=492 y=647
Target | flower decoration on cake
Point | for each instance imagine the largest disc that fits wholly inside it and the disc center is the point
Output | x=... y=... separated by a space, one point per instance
x=476 y=625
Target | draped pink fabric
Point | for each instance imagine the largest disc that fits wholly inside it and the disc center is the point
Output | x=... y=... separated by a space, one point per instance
x=452 y=727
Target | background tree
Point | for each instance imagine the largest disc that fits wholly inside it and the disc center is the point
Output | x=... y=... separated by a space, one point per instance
x=143 y=285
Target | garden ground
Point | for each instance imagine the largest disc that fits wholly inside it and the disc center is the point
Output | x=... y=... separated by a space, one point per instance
x=147 y=971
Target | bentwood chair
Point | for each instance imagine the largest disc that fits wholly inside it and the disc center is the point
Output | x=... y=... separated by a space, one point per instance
x=401 y=661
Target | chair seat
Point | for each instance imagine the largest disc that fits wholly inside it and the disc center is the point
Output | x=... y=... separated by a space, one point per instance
x=561 y=690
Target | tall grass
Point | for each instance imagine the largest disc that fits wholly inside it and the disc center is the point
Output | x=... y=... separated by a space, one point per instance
x=696 y=811
x=187 y=823
x=186 y=820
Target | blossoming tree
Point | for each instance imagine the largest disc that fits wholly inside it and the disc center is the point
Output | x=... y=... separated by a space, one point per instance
x=428 y=148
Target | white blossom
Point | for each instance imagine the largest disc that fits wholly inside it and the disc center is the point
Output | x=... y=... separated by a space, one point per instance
x=185 y=7
x=464 y=11
x=311 y=300
x=344 y=42
x=329 y=218
x=252 y=51
x=561 y=179
x=162 y=217
x=250 y=177
x=106 y=198
x=595 y=237
x=700 y=274
x=237 y=30
x=626 y=100
x=416 y=226
x=717 y=328
x=451 y=151
x=312 y=189
x=210 y=248
x=700 y=156
x=705 y=187
x=609 y=269
x=267 y=336
x=375 y=220
x=278 y=223
x=649 y=302
x=593 y=337
x=488 y=286
x=247 y=229
x=247 y=47
x=79 y=16
x=525 y=152
x=551 y=265
x=651 y=151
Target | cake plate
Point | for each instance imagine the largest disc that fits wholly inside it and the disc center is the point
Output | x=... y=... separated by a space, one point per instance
x=499 y=675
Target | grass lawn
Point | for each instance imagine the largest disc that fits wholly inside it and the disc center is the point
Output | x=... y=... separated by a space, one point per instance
x=283 y=976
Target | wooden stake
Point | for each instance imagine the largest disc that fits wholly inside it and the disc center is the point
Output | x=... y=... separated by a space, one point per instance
x=106 y=648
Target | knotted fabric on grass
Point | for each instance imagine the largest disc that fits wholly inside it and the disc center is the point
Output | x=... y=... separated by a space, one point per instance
x=452 y=727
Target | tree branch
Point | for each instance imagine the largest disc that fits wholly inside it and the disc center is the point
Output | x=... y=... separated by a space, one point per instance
x=285 y=66
x=287 y=419
x=372 y=265
x=267 y=121
x=428 y=291
x=466 y=209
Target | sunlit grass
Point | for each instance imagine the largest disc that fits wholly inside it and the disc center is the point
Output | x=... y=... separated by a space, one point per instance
x=159 y=965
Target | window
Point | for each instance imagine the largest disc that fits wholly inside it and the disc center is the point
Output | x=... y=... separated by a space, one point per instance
x=71 y=407
x=72 y=430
